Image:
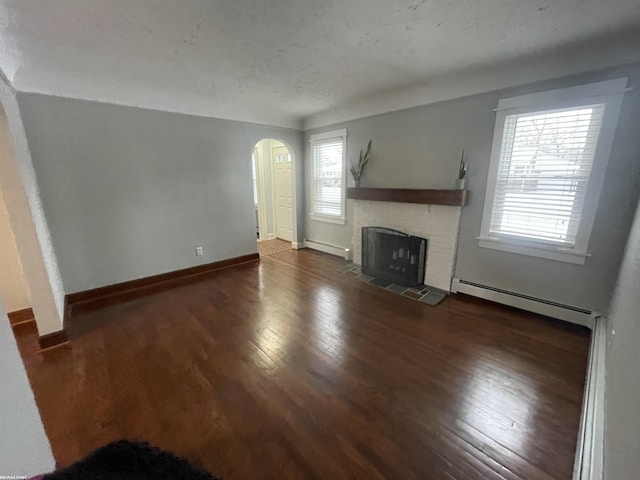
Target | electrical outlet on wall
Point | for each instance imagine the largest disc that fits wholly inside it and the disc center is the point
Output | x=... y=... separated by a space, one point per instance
x=199 y=251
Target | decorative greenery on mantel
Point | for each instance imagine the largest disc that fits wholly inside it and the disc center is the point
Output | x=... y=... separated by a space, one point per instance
x=357 y=170
x=462 y=173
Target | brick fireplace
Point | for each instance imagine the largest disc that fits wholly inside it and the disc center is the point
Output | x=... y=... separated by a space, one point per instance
x=439 y=224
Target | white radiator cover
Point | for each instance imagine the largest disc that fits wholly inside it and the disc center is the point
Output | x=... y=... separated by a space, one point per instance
x=589 y=460
x=568 y=313
x=439 y=224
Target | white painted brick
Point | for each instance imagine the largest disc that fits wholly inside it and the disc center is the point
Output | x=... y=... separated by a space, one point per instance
x=437 y=223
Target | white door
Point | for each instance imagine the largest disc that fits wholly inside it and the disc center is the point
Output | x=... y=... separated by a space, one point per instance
x=283 y=192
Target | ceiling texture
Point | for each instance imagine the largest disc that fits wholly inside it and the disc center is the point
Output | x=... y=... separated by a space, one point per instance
x=303 y=63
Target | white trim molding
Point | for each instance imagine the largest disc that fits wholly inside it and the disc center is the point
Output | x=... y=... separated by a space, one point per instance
x=327 y=218
x=326 y=248
x=533 y=250
x=316 y=137
x=592 y=92
x=260 y=190
x=589 y=460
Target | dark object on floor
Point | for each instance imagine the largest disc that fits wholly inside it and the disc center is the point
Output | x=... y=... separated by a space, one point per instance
x=125 y=460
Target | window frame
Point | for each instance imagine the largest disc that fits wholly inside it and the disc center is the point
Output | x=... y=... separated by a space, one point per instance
x=319 y=138
x=609 y=93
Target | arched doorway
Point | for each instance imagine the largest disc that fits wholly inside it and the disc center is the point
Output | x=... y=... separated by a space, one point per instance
x=273 y=195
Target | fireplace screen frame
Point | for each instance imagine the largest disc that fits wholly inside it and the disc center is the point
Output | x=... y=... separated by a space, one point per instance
x=393 y=261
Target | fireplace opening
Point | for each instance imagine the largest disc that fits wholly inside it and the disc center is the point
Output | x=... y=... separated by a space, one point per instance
x=394 y=256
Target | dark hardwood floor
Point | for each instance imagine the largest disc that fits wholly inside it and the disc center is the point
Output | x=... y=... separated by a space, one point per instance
x=286 y=368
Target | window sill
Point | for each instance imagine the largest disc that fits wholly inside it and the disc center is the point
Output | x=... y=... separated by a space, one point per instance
x=558 y=254
x=327 y=218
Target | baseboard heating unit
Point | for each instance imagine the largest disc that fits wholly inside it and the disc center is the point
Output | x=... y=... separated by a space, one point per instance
x=589 y=458
x=568 y=313
x=328 y=248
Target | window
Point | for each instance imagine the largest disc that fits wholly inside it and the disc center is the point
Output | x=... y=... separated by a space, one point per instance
x=328 y=193
x=548 y=160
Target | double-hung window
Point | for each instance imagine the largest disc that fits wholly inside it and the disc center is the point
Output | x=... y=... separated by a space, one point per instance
x=548 y=160
x=328 y=172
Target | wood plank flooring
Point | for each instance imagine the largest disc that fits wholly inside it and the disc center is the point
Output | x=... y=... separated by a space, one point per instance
x=285 y=368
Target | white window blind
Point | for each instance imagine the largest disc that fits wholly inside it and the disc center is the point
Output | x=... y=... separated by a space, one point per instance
x=544 y=167
x=548 y=162
x=328 y=176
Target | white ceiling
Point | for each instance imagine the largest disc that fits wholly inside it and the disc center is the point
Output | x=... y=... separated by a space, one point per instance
x=281 y=61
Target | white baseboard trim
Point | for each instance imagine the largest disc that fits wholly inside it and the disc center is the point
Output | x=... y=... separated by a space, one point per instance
x=589 y=459
x=297 y=245
x=524 y=302
x=332 y=249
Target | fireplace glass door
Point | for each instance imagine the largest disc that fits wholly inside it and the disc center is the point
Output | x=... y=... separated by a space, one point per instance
x=394 y=256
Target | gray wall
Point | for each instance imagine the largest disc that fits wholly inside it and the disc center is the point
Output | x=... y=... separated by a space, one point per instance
x=622 y=394
x=130 y=192
x=420 y=148
x=24 y=447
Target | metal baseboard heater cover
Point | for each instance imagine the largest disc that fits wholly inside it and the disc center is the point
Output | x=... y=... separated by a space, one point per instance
x=325 y=247
x=568 y=313
x=589 y=460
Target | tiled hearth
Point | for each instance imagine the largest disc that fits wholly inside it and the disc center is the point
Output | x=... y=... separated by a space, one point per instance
x=424 y=294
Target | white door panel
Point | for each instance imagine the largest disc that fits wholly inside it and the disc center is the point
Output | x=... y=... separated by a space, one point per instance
x=283 y=192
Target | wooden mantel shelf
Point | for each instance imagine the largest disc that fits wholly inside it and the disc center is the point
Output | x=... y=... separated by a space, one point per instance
x=456 y=198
